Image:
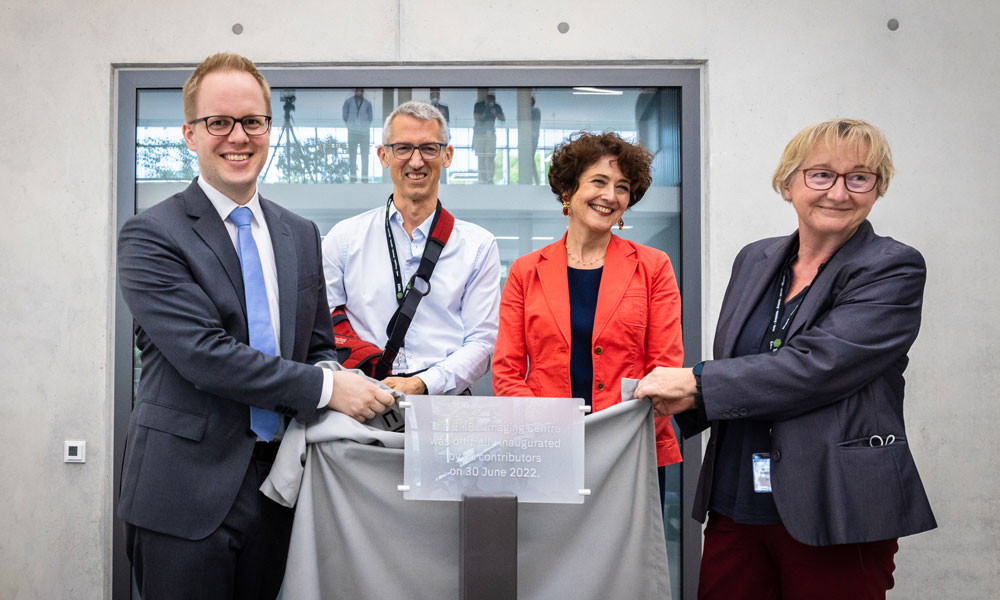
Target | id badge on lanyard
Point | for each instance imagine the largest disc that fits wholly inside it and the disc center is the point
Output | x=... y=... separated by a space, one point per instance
x=762 y=472
x=775 y=337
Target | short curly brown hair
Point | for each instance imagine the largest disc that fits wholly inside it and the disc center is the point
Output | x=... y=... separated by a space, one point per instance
x=582 y=149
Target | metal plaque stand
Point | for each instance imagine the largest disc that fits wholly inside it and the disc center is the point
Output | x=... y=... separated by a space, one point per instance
x=488 y=547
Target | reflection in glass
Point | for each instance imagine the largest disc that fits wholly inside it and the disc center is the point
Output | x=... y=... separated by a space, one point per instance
x=357 y=114
x=486 y=112
x=313 y=142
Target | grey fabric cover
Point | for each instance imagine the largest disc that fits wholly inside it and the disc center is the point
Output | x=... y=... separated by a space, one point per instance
x=356 y=537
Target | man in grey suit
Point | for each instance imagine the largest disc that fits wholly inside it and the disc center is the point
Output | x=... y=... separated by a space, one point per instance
x=228 y=296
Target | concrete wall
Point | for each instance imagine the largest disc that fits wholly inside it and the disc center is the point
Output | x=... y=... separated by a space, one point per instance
x=769 y=69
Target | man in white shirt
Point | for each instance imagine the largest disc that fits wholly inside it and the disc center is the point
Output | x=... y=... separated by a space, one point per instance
x=450 y=340
x=226 y=290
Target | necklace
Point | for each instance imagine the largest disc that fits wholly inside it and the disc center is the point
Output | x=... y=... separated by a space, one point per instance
x=581 y=261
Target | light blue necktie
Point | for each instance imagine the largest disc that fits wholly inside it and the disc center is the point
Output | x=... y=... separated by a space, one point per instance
x=262 y=422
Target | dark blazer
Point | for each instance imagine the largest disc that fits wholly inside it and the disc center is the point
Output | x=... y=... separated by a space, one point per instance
x=836 y=381
x=189 y=440
x=637 y=326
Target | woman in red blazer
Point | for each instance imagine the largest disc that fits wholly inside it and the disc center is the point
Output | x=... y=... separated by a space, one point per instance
x=591 y=308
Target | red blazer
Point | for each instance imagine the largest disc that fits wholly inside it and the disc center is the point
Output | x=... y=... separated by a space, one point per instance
x=637 y=326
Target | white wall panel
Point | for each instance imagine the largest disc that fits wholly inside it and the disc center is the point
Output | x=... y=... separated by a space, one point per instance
x=769 y=69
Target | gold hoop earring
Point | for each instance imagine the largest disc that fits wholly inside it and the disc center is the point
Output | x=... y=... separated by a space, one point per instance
x=565 y=208
x=621 y=223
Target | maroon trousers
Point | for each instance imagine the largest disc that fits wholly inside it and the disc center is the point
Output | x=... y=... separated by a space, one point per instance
x=764 y=562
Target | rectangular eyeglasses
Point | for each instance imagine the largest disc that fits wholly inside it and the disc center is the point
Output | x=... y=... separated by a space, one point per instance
x=428 y=151
x=824 y=179
x=223 y=125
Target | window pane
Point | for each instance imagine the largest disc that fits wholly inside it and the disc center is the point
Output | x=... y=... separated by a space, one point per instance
x=498 y=173
x=326 y=168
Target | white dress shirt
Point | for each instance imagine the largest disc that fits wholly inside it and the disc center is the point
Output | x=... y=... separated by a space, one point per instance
x=455 y=327
x=262 y=237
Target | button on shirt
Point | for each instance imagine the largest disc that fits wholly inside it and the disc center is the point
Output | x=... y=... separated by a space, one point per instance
x=455 y=327
x=262 y=236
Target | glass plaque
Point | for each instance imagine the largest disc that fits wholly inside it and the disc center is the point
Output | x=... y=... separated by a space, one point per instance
x=530 y=447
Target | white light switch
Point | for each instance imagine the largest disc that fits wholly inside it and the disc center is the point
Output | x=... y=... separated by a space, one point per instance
x=75 y=451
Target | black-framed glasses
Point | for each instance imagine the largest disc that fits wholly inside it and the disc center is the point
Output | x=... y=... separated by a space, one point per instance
x=824 y=179
x=222 y=125
x=428 y=151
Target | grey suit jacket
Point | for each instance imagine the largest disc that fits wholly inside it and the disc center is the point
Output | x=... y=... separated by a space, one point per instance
x=836 y=381
x=189 y=440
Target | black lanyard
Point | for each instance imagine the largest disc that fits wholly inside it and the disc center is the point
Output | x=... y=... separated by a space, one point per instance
x=777 y=330
x=397 y=273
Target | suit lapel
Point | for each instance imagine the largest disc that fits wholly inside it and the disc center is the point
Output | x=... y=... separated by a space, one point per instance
x=212 y=231
x=620 y=264
x=551 y=271
x=819 y=289
x=753 y=286
x=286 y=262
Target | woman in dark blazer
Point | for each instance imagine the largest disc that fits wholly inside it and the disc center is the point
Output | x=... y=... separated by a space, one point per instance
x=578 y=315
x=808 y=480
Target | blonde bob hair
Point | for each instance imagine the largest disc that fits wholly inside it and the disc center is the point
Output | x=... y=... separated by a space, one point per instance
x=837 y=133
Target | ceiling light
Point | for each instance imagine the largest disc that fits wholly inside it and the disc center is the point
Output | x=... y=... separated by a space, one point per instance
x=593 y=91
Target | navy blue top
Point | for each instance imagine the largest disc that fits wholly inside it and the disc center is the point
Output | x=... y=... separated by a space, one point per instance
x=583 y=287
x=732 y=485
